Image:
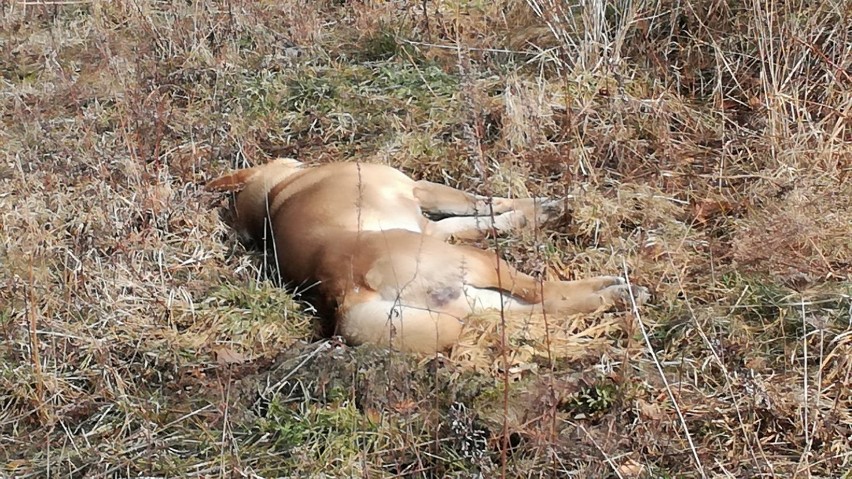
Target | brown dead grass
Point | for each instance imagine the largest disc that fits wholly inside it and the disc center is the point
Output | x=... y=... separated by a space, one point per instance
x=703 y=149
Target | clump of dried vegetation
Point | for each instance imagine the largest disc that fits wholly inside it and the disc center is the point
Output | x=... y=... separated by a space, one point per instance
x=703 y=148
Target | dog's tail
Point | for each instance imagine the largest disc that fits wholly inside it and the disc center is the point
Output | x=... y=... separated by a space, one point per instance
x=237 y=180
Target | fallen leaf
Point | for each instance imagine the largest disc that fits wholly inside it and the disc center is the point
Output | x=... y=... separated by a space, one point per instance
x=226 y=356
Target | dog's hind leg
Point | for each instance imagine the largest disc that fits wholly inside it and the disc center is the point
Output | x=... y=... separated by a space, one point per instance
x=581 y=296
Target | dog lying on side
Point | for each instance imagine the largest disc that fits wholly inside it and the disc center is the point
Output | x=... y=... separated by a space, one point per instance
x=383 y=271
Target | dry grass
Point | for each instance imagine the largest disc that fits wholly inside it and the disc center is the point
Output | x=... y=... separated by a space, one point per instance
x=704 y=148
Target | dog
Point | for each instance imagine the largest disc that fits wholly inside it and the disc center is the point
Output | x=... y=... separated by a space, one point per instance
x=382 y=271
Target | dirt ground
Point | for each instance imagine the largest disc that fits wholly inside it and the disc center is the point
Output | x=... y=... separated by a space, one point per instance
x=703 y=149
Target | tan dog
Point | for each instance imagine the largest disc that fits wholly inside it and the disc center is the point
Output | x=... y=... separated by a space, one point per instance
x=382 y=270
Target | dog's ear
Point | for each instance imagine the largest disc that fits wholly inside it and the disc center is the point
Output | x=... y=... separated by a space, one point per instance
x=234 y=181
x=237 y=180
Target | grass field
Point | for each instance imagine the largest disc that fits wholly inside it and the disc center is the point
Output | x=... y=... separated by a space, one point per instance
x=704 y=148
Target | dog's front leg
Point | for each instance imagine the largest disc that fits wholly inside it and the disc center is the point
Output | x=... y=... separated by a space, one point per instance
x=442 y=200
x=469 y=227
x=526 y=212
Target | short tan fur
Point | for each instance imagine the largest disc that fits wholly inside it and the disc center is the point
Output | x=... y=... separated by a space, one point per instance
x=383 y=271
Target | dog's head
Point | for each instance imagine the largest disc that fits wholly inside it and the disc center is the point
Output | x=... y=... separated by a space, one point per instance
x=277 y=170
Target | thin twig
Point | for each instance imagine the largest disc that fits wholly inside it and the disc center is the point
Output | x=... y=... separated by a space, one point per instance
x=638 y=318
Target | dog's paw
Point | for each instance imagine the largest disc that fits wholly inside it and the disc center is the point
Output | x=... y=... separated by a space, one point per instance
x=622 y=297
x=484 y=206
x=538 y=211
x=602 y=282
x=510 y=221
x=526 y=212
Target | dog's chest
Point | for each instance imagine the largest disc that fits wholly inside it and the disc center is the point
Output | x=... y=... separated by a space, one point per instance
x=384 y=222
x=387 y=208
